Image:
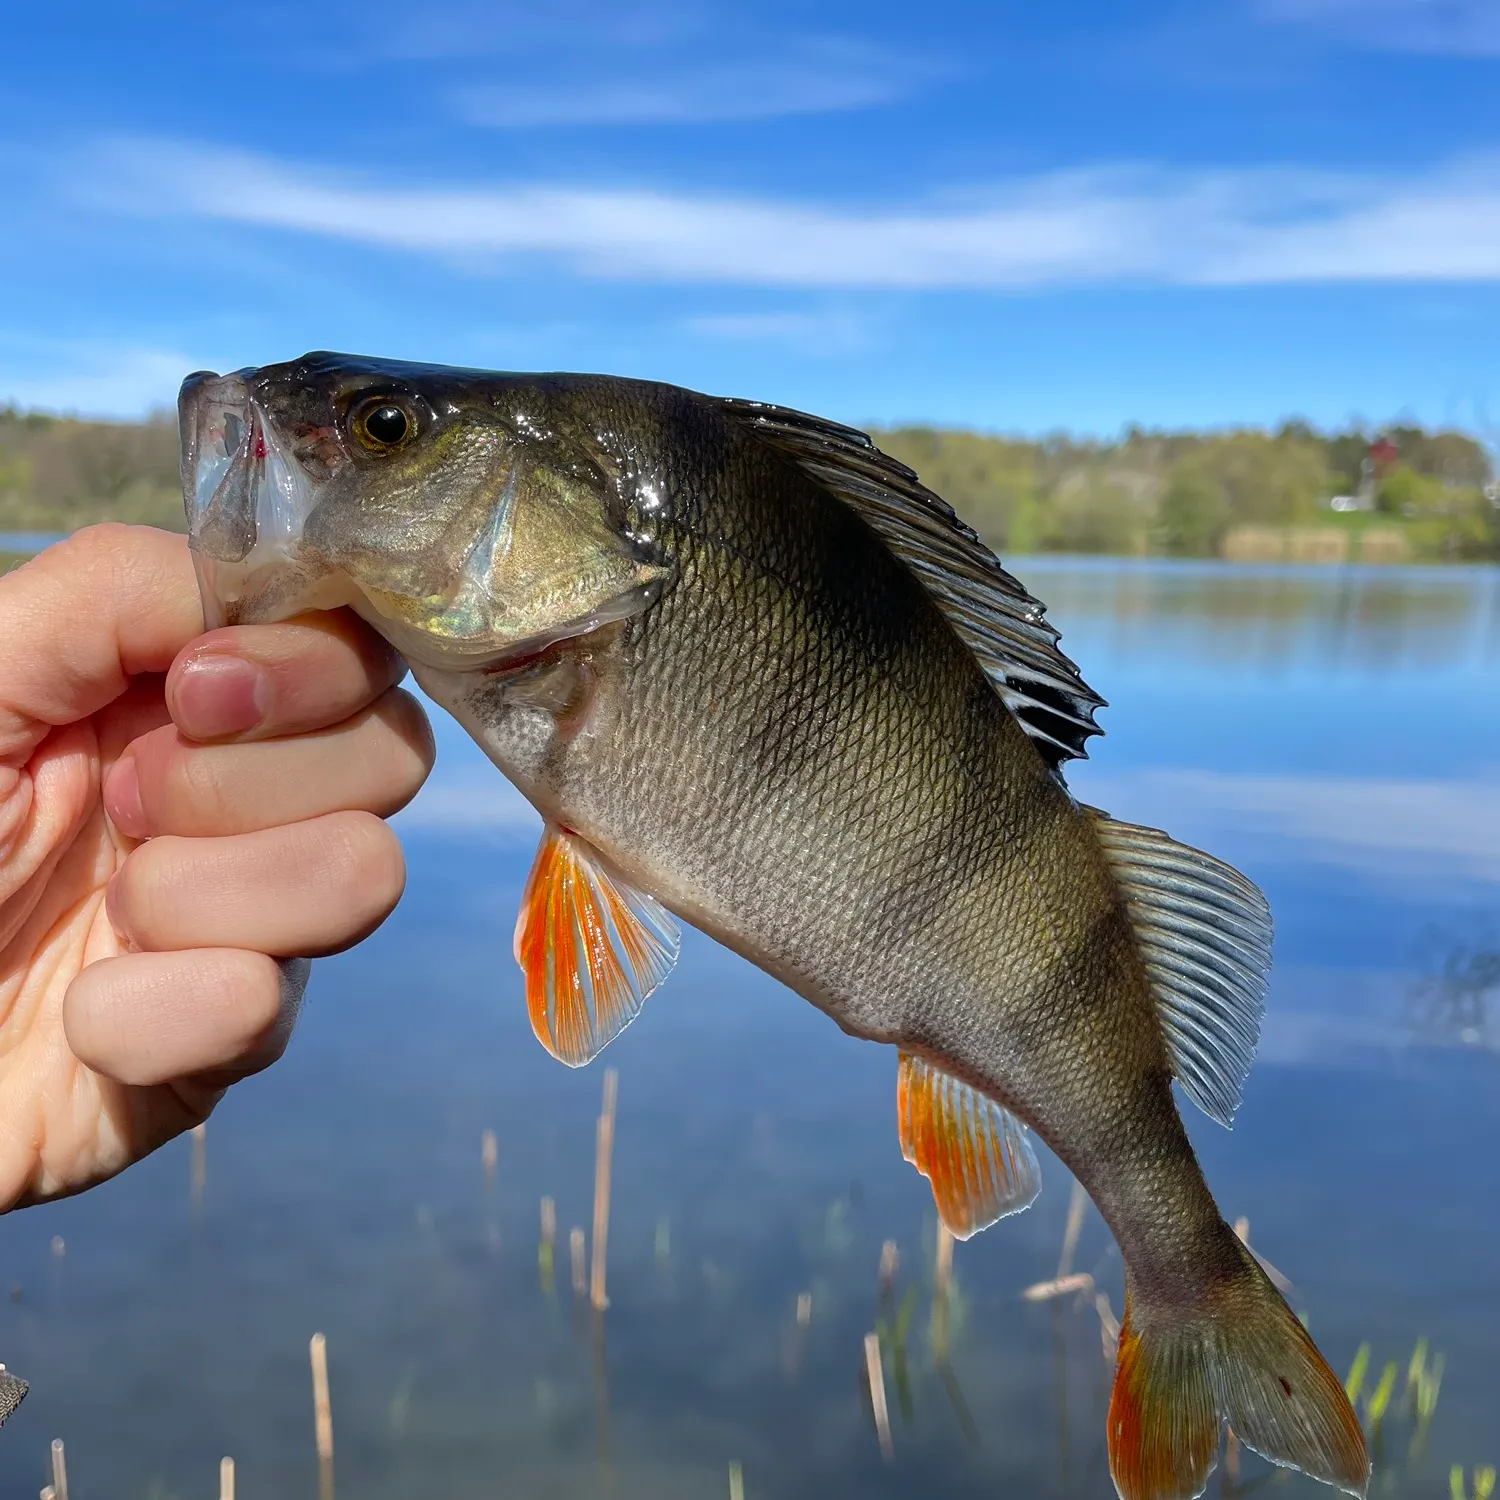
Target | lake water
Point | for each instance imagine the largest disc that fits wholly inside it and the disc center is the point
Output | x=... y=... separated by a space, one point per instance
x=1334 y=733
x=28 y=541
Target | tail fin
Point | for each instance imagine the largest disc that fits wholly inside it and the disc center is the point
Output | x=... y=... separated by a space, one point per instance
x=1238 y=1356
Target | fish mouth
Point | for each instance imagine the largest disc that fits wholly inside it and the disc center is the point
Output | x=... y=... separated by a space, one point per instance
x=247 y=500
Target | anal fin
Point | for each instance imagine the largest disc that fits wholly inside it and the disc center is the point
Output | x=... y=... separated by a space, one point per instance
x=977 y=1156
x=591 y=947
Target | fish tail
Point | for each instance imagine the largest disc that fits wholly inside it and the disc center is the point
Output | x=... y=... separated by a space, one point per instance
x=1235 y=1353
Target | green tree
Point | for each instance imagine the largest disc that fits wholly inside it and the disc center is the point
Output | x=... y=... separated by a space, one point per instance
x=1268 y=480
x=992 y=482
x=1194 y=511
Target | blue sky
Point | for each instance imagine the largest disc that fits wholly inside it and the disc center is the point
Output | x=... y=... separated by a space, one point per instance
x=1015 y=216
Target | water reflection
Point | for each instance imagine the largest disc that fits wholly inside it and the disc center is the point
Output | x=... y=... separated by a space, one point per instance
x=1458 y=997
x=1330 y=619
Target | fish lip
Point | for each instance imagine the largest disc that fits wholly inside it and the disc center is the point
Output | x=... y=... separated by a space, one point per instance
x=215 y=421
x=246 y=495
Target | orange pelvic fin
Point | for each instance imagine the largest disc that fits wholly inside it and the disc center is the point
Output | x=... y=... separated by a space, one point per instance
x=591 y=947
x=977 y=1155
x=1241 y=1357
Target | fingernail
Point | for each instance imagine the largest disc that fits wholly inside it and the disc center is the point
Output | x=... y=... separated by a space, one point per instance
x=122 y=798
x=218 y=696
x=112 y=911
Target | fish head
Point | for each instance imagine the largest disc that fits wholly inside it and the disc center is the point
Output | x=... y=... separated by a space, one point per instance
x=468 y=516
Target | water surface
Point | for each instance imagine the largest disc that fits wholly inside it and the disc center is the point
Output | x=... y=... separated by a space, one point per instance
x=1335 y=733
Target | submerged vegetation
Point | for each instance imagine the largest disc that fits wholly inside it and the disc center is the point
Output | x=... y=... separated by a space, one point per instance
x=1392 y=495
x=909 y=1373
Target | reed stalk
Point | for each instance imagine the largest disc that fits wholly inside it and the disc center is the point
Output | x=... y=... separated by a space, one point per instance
x=1109 y=1326
x=1063 y=1286
x=59 y=1470
x=580 y=1272
x=198 y=1170
x=1281 y=1283
x=1078 y=1204
x=736 y=1480
x=804 y=1309
x=876 y=1374
x=1231 y=1483
x=604 y=1151
x=322 y=1415
x=544 y=1249
x=942 y=1282
x=942 y=1275
x=226 y=1479
x=890 y=1263
x=489 y=1154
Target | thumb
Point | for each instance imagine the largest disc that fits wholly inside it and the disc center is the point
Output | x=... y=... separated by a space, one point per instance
x=81 y=619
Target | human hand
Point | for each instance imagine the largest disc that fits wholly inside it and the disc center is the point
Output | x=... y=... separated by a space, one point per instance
x=184 y=820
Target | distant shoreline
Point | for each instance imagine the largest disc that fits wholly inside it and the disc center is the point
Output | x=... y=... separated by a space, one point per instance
x=1290 y=494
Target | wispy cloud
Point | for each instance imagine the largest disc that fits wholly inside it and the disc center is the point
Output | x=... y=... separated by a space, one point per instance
x=813 y=76
x=1458 y=27
x=1211 y=228
x=617 y=62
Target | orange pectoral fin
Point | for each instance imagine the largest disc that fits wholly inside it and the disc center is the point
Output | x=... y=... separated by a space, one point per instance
x=590 y=946
x=977 y=1156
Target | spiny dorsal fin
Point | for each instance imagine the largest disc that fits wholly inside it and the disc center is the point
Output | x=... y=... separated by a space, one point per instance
x=1205 y=934
x=591 y=947
x=998 y=620
x=977 y=1156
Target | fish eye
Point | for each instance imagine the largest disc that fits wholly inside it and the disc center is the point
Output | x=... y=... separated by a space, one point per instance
x=382 y=424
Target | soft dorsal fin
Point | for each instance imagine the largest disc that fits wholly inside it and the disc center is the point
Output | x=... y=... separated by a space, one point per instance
x=591 y=947
x=998 y=620
x=1205 y=934
x=977 y=1156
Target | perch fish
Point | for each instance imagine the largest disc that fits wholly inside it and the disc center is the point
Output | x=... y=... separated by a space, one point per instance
x=755 y=677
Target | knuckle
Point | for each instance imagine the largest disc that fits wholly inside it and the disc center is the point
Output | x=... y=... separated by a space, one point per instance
x=101 y=542
x=409 y=750
x=367 y=859
x=409 y=719
x=255 y=999
x=193 y=785
x=142 y=889
x=180 y=787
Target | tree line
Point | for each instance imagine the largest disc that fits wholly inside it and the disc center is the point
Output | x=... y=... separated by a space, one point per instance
x=60 y=473
x=1147 y=492
x=1184 y=493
